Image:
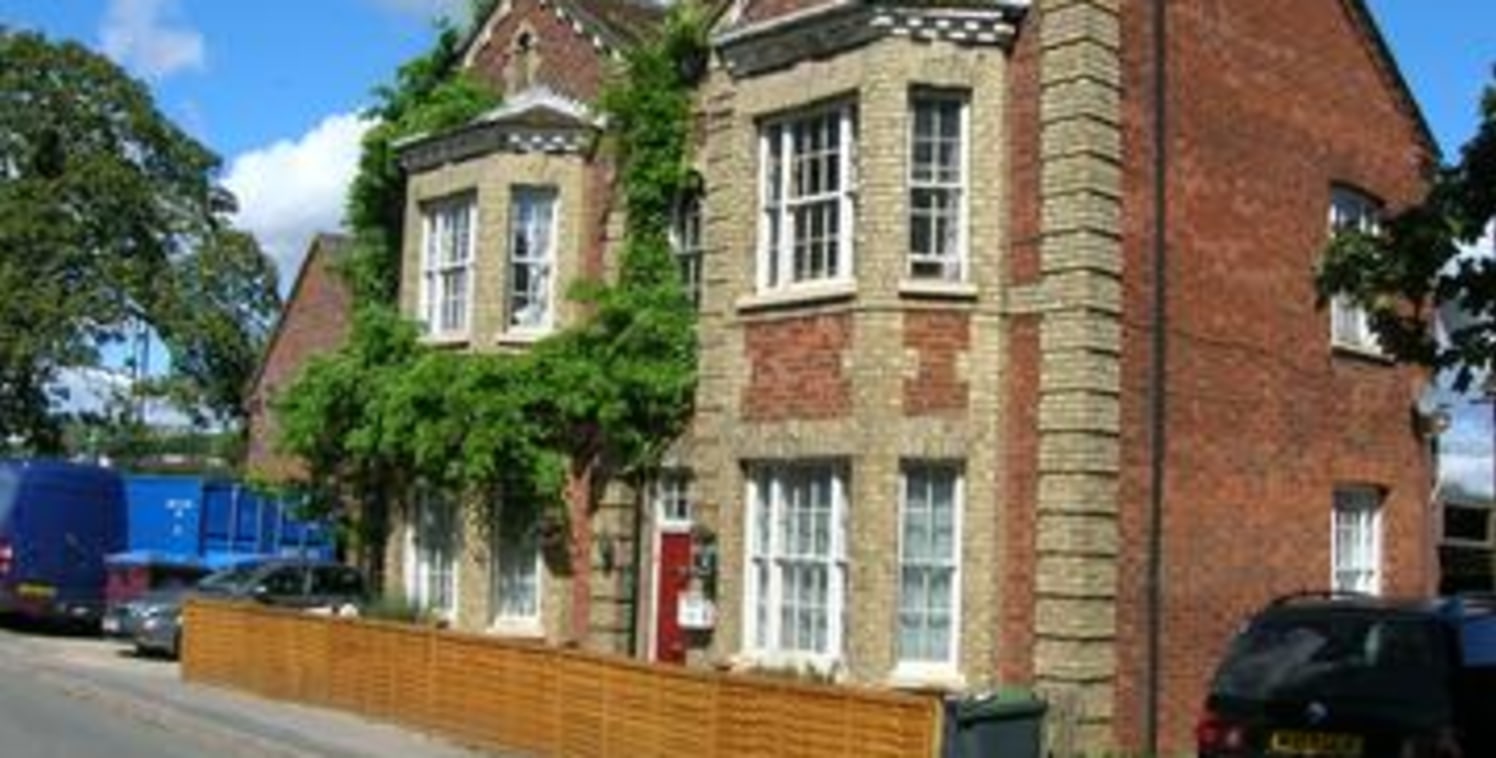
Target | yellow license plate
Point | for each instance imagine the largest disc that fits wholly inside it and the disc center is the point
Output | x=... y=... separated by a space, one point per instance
x=26 y=589
x=1315 y=744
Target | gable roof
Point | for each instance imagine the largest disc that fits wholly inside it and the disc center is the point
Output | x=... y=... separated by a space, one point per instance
x=325 y=249
x=612 y=25
x=1363 y=17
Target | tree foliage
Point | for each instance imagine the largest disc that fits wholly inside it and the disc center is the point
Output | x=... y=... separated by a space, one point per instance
x=603 y=397
x=110 y=217
x=1415 y=268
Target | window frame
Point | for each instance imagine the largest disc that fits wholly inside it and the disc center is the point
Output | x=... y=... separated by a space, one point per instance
x=687 y=225
x=436 y=223
x=1485 y=541
x=766 y=483
x=927 y=668
x=550 y=262
x=529 y=624
x=1350 y=324
x=776 y=263
x=419 y=569
x=673 y=487
x=1367 y=502
x=961 y=187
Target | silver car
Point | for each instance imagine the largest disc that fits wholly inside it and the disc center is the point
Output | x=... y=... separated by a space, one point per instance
x=291 y=583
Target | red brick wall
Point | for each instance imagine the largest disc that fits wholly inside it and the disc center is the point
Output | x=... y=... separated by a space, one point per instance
x=315 y=320
x=938 y=340
x=795 y=368
x=1271 y=101
x=568 y=61
x=1015 y=654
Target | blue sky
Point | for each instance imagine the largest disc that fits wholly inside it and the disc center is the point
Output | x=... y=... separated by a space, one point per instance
x=275 y=88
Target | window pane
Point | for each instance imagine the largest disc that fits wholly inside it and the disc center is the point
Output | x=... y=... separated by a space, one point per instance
x=531 y=256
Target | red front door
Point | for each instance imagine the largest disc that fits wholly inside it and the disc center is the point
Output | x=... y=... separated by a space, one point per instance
x=674 y=578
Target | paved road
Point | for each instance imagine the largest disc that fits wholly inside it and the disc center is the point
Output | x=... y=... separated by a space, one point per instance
x=68 y=697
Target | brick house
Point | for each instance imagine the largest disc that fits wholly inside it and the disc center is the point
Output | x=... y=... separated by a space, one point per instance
x=924 y=256
x=314 y=320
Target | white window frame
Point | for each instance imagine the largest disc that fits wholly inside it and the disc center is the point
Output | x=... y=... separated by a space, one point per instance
x=776 y=251
x=674 y=509
x=1361 y=508
x=767 y=485
x=544 y=265
x=503 y=621
x=927 y=668
x=686 y=227
x=421 y=571
x=446 y=255
x=955 y=268
x=1350 y=325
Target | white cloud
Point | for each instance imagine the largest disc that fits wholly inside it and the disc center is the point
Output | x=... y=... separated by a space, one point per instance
x=292 y=189
x=138 y=34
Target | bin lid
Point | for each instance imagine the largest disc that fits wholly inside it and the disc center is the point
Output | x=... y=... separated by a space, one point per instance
x=999 y=706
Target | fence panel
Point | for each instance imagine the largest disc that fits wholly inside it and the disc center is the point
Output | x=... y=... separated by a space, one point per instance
x=541 y=700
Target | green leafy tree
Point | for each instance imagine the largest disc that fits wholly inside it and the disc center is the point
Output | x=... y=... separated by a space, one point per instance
x=1414 y=267
x=110 y=218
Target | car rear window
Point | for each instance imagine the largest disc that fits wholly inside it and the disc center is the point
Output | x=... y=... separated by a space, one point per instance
x=1353 y=656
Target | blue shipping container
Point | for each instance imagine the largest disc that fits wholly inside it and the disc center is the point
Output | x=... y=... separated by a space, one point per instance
x=165 y=514
x=57 y=522
x=217 y=519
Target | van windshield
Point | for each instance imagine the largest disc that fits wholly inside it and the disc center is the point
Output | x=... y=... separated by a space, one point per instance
x=10 y=485
x=1360 y=657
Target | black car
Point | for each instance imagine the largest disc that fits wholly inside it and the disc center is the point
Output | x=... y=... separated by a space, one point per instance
x=1351 y=676
x=290 y=583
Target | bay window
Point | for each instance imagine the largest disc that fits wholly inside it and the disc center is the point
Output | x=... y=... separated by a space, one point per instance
x=929 y=565
x=532 y=258
x=446 y=265
x=796 y=562
x=937 y=186
x=805 y=191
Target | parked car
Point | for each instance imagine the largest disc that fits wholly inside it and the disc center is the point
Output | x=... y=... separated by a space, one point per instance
x=143 y=575
x=156 y=619
x=1352 y=676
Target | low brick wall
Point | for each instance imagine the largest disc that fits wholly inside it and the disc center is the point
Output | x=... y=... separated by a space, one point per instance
x=542 y=700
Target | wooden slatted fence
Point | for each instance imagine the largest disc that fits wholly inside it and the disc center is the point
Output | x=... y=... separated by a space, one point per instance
x=542 y=700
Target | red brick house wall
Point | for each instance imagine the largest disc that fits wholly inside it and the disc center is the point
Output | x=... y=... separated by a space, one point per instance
x=315 y=320
x=568 y=61
x=796 y=369
x=1270 y=103
x=938 y=340
x=1015 y=656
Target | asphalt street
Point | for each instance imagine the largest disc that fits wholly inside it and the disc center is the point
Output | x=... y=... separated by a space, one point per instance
x=72 y=697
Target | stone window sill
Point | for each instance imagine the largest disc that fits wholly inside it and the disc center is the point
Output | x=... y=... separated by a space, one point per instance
x=1369 y=353
x=927 y=677
x=522 y=337
x=449 y=340
x=929 y=289
x=518 y=628
x=806 y=294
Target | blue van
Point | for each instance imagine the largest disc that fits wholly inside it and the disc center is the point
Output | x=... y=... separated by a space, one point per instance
x=57 y=522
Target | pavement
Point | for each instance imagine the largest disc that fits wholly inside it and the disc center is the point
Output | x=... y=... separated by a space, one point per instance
x=63 y=696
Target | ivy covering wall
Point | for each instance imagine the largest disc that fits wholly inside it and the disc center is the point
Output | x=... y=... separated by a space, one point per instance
x=603 y=398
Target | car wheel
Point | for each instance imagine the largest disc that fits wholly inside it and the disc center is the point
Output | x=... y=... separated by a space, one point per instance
x=176 y=646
